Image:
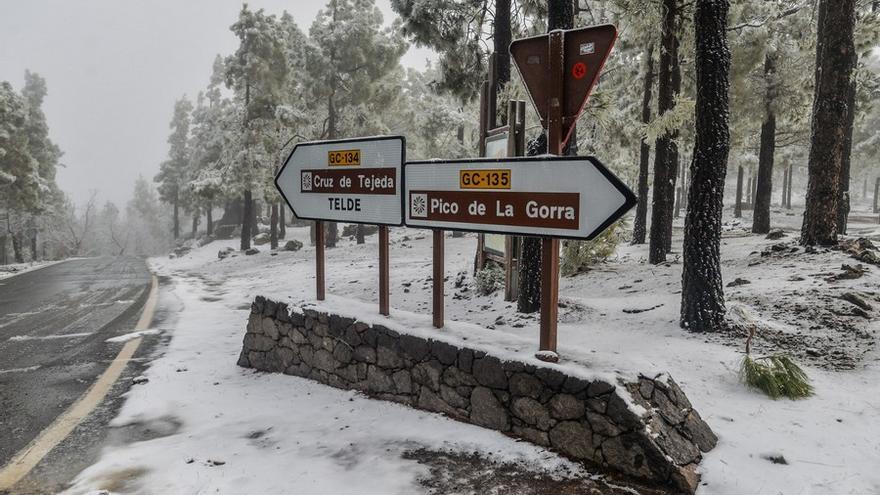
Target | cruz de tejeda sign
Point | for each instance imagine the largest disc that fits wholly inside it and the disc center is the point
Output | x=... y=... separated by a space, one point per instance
x=351 y=180
x=568 y=197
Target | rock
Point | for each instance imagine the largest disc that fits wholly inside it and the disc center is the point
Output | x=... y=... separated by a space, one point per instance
x=292 y=245
x=430 y=401
x=532 y=435
x=532 y=412
x=445 y=353
x=602 y=425
x=699 y=432
x=487 y=411
x=252 y=251
x=414 y=347
x=738 y=281
x=565 y=406
x=269 y=327
x=224 y=253
x=525 y=385
x=324 y=361
x=775 y=234
x=378 y=381
x=853 y=298
x=674 y=444
x=387 y=358
x=261 y=239
x=428 y=374
x=454 y=377
x=686 y=478
x=402 y=382
x=775 y=458
x=365 y=354
x=453 y=398
x=573 y=439
x=465 y=360
x=350 y=230
x=552 y=378
x=619 y=412
x=489 y=372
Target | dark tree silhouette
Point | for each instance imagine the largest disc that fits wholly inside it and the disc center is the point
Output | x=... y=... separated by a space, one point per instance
x=702 y=296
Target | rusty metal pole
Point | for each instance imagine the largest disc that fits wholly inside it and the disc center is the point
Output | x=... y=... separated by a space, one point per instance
x=439 y=253
x=550 y=247
x=319 y=260
x=383 y=271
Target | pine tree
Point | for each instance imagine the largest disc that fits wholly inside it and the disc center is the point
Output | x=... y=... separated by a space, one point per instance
x=666 y=148
x=172 y=176
x=640 y=227
x=835 y=55
x=351 y=55
x=702 y=295
x=257 y=73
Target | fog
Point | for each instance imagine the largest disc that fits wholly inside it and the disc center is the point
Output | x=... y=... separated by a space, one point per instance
x=114 y=69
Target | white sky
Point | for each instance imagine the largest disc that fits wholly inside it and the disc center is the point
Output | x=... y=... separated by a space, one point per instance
x=114 y=69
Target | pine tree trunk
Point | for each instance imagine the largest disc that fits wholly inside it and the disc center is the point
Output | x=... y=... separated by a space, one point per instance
x=209 y=218
x=359 y=234
x=282 y=220
x=738 y=207
x=4 y=255
x=790 y=182
x=35 y=254
x=784 y=187
x=176 y=218
x=876 y=193
x=665 y=149
x=529 y=291
x=246 y=216
x=640 y=227
x=195 y=224
x=702 y=295
x=844 y=195
x=675 y=157
x=501 y=41
x=764 y=186
x=312 y=233
x=332 y=234
x=273 y=227
x=835 y=55
x=16 y=248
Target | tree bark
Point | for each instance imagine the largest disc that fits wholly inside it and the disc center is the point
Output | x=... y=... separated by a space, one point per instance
x=876 y=192
x=702 y=295
x=501 y=42
x=246 y=220
x=834 y=70
x=16 y=248
x=790 y=182
x=282 y=220
x=529 y=291
x=640 y=227
x=195 y=224
x=784 y=187
x=665 y=149
x=764 y=186
x=176 y=217
x=209 y=218
x=359 y=234
x=738 y=207
x=331 y=234
x=844 y=195
x=273 y=226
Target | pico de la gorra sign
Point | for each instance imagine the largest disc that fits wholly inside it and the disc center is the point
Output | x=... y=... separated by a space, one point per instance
x=351 y=180
x=569 y=197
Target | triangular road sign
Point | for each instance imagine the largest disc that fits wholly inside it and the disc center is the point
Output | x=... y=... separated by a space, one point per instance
x=584 y=53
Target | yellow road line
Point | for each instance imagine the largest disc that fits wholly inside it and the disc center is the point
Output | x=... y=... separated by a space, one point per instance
x=31 y=455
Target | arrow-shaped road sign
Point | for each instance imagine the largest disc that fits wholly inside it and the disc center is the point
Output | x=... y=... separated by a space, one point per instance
x=570 y=197
x=350 y=180
x=583 y=54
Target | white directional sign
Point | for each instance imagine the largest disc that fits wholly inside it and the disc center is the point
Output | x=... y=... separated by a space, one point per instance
x=569 y=197
x=351 y=180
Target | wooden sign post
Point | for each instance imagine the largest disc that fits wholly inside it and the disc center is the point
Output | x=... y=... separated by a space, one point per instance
x=347 y=180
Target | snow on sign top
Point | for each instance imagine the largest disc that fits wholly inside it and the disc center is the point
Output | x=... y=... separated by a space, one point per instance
x=571 y=197
x=348 y=180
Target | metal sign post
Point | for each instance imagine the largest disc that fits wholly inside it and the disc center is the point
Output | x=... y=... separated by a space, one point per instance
x=349 y=180
x=559 y=70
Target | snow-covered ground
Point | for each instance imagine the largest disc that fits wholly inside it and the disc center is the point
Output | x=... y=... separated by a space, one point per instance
x=230 y=430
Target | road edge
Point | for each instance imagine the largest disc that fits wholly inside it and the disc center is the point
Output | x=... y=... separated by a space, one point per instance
x=28 y=457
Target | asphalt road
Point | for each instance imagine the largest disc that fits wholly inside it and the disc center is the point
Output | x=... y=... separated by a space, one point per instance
x=54 y=324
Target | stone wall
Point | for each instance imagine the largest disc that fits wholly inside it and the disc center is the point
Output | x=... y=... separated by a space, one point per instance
x=646 y=429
